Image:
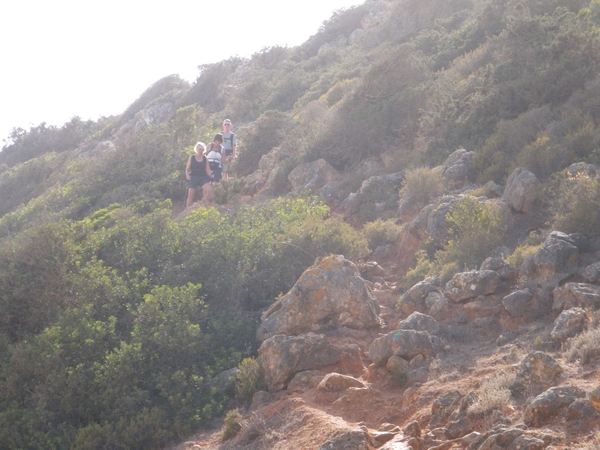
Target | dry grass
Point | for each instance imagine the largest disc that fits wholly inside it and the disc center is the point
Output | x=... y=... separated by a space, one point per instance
x=584 y=347
x=253 y=427
x=494 y=392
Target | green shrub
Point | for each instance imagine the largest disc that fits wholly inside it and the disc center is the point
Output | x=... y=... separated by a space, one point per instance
x=476 y=229
x=424 y=267
x=249 y=379
x=316 y=238
x=381 y=232
x=421 y=185
x=267 y=132
x=225 y=190
x=525 y=250
x=575 y=204
x=232 y=425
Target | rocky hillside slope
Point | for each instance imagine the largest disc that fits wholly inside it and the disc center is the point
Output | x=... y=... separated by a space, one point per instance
x=497 y=358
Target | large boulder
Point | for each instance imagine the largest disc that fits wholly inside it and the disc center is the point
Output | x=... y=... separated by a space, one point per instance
x=357 y=439
x=404 y=343
x=328 y=295
x=538 y=371
x=590 y=273
x=376 y=195
x=522 y=190
x=442 y=407
x=419 y=322
x=312 y=176
x=576 y=295
x=568 y=324
x=467 y=286
x=581 y=417
x=550 y=404
x=556 y=260
x=281 y=357
x=414 y=300
x=459 y=169
x=518 y=303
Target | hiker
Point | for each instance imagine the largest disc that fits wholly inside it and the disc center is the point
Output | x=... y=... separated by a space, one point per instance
x=198 y=174
x=215 y=156
x=229 y=143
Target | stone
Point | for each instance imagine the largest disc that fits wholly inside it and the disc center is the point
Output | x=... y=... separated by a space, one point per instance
x=415 y=298
x=498 y=265
x=581 y=417
x=595 y=398
x=259 y=400
x=576 y=295
x=459 y=169
x=329 y=295
x=338 y=382
x=419 y=322
x=522 y=190
x=312 y=176
x=568 y=324
x=590 y=273
x=550 y=404
x=380 y=189
x=538 y=371
x=355 y=439
x=518 y=303
x=303 y=381
x=466 y=286
x=413 y=429
x=404 y=343
x=442 y=407
x=397 y=365
x=556 y=260
x=281 y=357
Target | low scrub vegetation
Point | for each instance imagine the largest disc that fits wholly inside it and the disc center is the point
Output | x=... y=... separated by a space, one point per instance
x=114 y=317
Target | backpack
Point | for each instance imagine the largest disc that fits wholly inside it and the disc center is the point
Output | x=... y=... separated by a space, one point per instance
x=215 y=164
x=229 y=151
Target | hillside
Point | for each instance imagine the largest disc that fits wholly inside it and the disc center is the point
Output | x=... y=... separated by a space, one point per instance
x=446 y=151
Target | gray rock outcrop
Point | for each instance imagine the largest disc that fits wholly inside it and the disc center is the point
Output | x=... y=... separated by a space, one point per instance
x=404 y=343
x=550 y=404
x=329 y=295
x=522 y=190
x=281 y=357
x=312 y=176
x=467 y=286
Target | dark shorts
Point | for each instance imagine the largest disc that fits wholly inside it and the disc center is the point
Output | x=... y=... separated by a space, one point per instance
x=197 y=181
x=229 y=151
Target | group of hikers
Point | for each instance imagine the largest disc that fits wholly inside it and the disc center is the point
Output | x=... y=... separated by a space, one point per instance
x=210 y=163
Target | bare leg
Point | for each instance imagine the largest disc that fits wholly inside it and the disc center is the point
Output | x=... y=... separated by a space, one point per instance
x=190 y=197
x=207 y=192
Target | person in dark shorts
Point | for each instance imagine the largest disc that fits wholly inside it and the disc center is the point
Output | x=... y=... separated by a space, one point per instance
x=214 y=154
x=199 y=175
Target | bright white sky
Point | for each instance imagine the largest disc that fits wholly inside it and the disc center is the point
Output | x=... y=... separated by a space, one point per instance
x=66 y=58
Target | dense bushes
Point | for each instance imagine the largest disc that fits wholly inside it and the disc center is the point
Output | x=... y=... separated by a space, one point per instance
x=113 y=326
x=574 y=202
x=475 y=229
x=115 y=318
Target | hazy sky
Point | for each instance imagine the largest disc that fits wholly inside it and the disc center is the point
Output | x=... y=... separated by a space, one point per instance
x=65 y=58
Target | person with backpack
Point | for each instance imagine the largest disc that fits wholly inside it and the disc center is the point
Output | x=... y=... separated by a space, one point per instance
x=199 y=175
x=229 y=143
x=215 y=156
